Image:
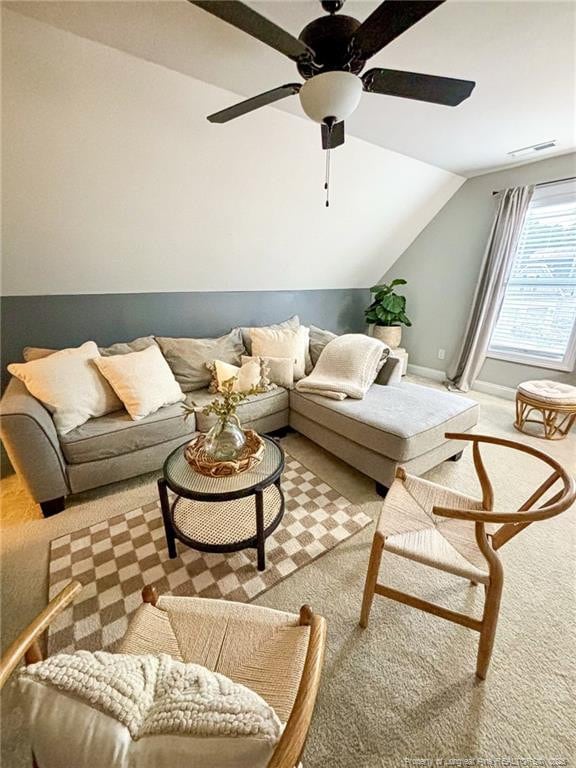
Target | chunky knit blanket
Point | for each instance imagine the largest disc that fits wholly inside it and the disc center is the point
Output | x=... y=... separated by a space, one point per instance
x=159 y=695
x=347 y=367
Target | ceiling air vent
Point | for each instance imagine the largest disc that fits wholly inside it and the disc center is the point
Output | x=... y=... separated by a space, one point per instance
x=533 y=148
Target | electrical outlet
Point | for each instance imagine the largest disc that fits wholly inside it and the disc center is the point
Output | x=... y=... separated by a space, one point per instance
x=441 y=354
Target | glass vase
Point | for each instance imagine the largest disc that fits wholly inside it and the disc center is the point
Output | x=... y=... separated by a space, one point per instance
x=225 y=440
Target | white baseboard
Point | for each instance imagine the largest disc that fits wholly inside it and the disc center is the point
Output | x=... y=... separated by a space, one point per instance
x=427 y=373
x=499 y=390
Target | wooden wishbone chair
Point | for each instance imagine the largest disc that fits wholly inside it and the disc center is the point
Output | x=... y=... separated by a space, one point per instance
x=288 y=751
x=438 y=527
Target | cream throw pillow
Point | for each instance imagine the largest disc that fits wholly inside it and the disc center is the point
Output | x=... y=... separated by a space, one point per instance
x=69 y=384
x=280 y=370
x=269 y=342
x=93 y=710
x=293 y=323
x=245 y=377
x=142 y=380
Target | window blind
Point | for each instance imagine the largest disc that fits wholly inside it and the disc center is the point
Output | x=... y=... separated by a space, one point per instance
x=538 y=313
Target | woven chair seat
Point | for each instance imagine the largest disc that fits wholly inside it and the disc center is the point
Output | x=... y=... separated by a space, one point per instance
x=260 y=648
x=410 y=528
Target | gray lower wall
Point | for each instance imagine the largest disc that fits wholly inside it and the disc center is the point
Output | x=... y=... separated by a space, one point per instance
x=442 y=267
x=64 y=321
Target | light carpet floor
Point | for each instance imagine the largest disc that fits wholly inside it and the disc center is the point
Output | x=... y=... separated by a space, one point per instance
x=403 y=690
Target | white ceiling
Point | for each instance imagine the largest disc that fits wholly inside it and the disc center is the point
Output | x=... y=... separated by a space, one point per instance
x=522 y=56
x=110 y=169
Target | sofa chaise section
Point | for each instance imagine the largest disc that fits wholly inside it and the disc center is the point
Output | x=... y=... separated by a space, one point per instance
x=395 y=424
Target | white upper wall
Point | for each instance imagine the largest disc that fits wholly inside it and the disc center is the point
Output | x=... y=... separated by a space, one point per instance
x=113 y=181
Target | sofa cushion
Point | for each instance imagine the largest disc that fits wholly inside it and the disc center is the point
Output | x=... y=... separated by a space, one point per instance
x=256 y=407
x=116 y=434
x=399 y=421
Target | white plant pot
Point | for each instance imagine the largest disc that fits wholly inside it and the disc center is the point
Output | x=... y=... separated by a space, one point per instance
x=389 y=334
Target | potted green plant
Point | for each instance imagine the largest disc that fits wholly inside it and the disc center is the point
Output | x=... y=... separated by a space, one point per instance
x=387 y=313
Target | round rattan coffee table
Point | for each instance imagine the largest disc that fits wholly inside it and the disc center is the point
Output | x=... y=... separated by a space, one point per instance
x=223 y=514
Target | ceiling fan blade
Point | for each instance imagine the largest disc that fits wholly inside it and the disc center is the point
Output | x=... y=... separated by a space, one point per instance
x=243 y=17
x=388 y=21
x=269 y=97
x=332 y=138
x=412 y=85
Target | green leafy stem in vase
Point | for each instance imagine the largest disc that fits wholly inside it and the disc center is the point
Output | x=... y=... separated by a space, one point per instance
x=223 y=407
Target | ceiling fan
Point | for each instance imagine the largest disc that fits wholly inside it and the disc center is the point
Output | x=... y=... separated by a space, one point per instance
x=330 y=53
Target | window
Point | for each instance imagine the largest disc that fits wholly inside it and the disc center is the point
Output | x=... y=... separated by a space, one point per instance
x=537 y=320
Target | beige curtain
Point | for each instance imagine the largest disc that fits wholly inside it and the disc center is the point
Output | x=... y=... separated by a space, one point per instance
x=496 y=265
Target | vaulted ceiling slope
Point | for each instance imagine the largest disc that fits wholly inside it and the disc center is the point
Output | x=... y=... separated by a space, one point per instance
x=113 y=182
x=521 y=53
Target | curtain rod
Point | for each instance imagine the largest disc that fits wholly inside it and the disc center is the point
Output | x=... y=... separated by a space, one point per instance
x=543 y=184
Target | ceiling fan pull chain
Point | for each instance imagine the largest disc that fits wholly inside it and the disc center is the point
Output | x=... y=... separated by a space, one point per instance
x=327 y=182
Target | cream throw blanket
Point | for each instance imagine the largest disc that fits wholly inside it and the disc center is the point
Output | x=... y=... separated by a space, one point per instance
x=347 y=367
x=159 y=695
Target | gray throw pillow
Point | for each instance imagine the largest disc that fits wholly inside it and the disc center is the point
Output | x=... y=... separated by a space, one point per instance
x=120 y=348
x=36 y=353
x=125 y=347
x=318 y=340
x=188 y=357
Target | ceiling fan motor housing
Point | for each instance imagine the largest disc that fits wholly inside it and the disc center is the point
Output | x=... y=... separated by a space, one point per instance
x=329 y=37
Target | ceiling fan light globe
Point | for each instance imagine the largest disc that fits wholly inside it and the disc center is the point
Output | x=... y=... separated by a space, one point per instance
x=331 y=95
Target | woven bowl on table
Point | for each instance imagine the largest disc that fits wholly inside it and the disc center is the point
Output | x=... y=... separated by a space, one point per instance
x=250 y=455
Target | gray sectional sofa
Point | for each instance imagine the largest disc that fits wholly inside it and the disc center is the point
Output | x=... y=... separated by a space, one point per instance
x=396 y=423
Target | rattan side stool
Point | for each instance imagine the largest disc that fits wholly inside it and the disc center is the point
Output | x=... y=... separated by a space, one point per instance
x=553 y=400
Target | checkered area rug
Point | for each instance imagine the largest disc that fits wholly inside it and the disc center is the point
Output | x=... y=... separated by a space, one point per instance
x=114 y=559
